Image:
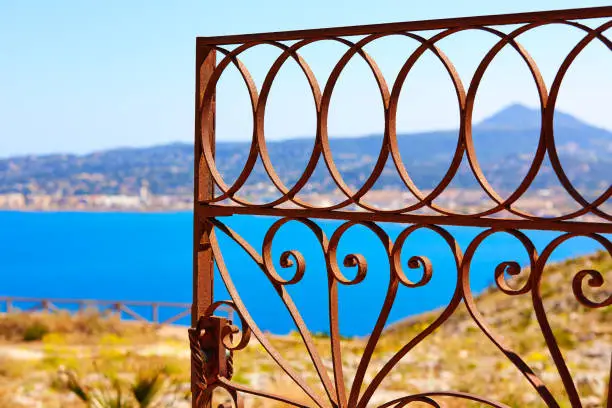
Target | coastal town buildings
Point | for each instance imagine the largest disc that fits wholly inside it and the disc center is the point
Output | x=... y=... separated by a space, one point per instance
x=144 y=201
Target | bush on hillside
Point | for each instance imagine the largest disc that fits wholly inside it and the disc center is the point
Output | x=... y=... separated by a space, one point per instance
x=85 y=325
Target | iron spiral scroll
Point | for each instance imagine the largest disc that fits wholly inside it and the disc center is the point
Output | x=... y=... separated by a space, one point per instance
x=591 y=220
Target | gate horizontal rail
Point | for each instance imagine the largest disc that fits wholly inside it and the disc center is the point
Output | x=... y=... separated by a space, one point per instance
x=212 y=210
x=438 y=24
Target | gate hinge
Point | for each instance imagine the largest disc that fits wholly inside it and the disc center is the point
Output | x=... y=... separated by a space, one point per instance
x=210 y=357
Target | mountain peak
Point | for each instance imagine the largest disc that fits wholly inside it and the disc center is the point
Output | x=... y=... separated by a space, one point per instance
x=521 y=117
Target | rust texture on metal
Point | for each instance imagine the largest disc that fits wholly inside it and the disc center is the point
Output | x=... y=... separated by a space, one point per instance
x=203 y=189
x=212 y=346
x=591 y=219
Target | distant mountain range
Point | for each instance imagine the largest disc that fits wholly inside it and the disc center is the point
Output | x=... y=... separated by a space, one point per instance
x=505 y=143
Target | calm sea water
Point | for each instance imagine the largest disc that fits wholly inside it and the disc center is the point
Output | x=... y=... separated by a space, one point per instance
x=127 y=256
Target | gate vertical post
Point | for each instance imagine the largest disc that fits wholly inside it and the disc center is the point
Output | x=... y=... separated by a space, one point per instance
x=203 y=263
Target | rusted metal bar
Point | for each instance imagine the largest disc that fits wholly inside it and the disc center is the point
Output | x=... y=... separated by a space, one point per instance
x=204 y=190
x=423 y=25
x=203 y=262
x=563 y=226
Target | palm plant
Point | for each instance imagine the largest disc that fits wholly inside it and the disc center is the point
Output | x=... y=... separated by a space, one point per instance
x=110 y=397
x=73 y=385
x=100 y=397
x=147 y=388
x=144 y=392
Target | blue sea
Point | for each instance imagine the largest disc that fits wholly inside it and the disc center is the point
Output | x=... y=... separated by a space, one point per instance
x=147 y=256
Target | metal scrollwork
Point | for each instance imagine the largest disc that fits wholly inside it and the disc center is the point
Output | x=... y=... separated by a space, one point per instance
x=214 y=338
x=389 y=149
x=595 y=280
x=529 y=283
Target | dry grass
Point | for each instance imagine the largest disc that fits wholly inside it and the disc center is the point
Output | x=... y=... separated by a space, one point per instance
x=37 y=350
x=83 y=327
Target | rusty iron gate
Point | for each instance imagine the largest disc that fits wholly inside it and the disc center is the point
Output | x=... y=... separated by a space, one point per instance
x=214 y=339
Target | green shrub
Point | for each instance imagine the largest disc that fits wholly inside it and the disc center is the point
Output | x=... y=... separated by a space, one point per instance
x=35 y=331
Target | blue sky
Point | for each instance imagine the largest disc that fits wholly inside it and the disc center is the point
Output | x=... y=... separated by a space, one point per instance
x=77 y=76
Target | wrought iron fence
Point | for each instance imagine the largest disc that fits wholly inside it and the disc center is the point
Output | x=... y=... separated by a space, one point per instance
x=213 y=339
